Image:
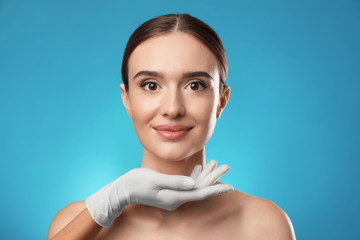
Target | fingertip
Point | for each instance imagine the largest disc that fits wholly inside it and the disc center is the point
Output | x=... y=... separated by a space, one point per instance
x=212 y=165
x=227 y=168
x=198 y=167
x=225 y=188
x=212 y=161
x=229 y=188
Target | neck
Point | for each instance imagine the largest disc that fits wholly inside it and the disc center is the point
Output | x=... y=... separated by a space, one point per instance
x=173 y=167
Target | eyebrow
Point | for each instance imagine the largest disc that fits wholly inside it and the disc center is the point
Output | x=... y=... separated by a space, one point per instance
x=185 y=75
x=197 y=74
x=148 y=73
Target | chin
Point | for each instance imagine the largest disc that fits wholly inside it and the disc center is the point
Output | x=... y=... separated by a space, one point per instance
x=173 y=154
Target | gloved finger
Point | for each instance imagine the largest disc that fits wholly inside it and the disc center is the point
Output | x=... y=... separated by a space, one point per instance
x=196 y=171
x=213 y=176
x=207 y=169
x=202 y=193
x=176 y=182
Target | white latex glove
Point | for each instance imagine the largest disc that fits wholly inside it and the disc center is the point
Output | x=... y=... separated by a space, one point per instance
x=209 y=175
x=149 y=187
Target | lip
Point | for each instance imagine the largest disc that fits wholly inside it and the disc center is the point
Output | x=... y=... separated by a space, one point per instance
x=172 y=132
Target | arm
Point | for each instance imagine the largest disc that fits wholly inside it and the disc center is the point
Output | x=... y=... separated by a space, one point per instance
x=73 y=222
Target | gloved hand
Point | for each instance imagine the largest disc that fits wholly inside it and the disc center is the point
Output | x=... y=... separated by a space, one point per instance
x=149 y=187
x=208 y=176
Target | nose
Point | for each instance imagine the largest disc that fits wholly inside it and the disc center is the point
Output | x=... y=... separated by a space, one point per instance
x=173 y=106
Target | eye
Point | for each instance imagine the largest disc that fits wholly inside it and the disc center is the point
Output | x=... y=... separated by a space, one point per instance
x=150 y=86
x=197 y=86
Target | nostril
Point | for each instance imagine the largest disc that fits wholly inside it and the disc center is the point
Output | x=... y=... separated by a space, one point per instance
x=172 y=104
x=173 y=112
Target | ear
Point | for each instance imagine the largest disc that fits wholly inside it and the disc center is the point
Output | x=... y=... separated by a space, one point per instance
x=223 y=100
x=125 y=99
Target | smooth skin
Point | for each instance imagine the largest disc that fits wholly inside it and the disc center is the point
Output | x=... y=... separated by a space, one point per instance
x=173 y=78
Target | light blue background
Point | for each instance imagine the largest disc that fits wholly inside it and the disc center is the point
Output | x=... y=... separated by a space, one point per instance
x=290 y=131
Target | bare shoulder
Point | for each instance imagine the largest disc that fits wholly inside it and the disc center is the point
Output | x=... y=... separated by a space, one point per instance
x=262 y=218
x=64 y=216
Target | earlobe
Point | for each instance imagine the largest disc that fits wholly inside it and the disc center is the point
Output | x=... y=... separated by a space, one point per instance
x=125 y=99
x=224 y=98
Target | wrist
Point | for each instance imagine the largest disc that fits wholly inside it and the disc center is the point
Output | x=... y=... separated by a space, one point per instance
x=106 y=204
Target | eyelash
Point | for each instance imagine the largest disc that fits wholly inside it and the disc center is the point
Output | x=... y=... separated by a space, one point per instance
x=146 y=84
x=202 y=85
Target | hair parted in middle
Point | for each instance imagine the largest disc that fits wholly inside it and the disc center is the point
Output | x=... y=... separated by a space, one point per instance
x=177 y=23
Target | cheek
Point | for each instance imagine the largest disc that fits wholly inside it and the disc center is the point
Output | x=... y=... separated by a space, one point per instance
x=143 y=111
x=204 y=111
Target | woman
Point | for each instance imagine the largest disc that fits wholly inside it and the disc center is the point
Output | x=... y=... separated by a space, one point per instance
x=174 y=71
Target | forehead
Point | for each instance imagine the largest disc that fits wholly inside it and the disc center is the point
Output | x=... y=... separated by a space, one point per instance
x=172 y=53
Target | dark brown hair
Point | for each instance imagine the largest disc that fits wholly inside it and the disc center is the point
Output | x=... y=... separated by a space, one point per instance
x=177 y=23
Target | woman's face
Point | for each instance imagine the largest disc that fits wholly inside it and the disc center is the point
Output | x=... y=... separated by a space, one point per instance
x=173 y=97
